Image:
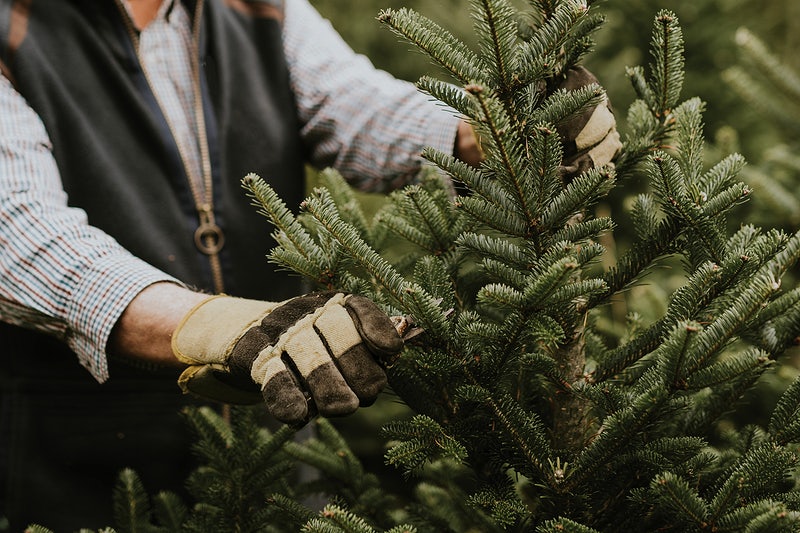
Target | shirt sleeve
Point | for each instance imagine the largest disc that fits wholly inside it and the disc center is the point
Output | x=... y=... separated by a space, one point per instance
x=58 y=274
x=362 y=121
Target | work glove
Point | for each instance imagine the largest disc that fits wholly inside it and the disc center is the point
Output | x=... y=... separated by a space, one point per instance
x=589 y=139
x=322 y=352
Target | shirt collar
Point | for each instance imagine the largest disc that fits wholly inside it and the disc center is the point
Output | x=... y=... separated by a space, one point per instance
x=164 y=9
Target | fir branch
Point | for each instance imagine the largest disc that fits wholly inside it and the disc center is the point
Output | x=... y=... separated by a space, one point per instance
x=640 y=257
x=616 y=432
x=502 y=503
x=582 y=231
x=169 y=510
x=438 y=43
x=401 y=227
x=339 y=520
x=538 y=55
x=545 y=155
x=764 y=98
x=667 y=67
x=528 y=446
x=727 y=199
x=729 y=369
x=754 y=476
x=461 y=171
x=670 y=357
x=562 y=105
x=773 y=332
x=210 y=427
x=297 y=250
x=496 y=30
x=721 y=175
x=509 y=222
x=690 y=142
x=707 y=408
x=343 y=196
x=725 y=326
x=494 y=247
x=784 y=424
x=580 y=290
x=36 y=528
x=541 y=288
x=539 y=363
x=292 y=513
x=675 y=199
x=506 y=148
x=132 y=505
x=582 y=192
x=644 y=216
x=447 y=93
x=321 y=207
x=433 y=272
x=638 y=78
x=423 y=209
x=688 y=508
x=767 y=516
x=504 y=273
x=564 y=525
x=421 y=440
x=271 y=206
x=580 y=42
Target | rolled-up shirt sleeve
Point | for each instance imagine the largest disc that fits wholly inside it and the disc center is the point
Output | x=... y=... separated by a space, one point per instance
x=360 y=120
x=58 y=274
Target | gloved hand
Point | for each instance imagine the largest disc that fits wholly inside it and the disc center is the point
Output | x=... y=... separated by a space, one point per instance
x=590 y=139
x=326 y=346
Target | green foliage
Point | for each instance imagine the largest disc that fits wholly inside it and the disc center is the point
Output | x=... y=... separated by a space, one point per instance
x=560 y=424
x=537 y=406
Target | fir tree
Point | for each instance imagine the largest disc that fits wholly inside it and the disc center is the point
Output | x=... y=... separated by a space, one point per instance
x=561 y=427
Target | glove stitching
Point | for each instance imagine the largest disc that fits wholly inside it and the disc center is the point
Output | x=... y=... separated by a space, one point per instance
x=259 y=369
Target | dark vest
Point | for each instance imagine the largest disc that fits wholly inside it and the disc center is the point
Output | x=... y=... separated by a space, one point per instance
x=63 y=437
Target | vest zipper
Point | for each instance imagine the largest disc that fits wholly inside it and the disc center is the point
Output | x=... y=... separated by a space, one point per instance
x=208 y=236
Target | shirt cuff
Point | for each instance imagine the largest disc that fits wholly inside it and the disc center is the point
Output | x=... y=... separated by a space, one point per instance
x=442 y=128
x=103 y=293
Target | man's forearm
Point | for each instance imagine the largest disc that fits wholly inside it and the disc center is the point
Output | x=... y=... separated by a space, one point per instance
x=144 y=330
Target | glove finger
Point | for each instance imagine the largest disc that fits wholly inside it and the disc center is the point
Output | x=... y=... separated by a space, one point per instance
x=282 y=393
x=604 y=152
x=355 y=362
x=327 y=386
x=596 y=128
x=375 y=328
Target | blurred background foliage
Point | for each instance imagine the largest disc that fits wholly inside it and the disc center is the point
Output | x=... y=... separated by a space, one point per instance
x=719 y=70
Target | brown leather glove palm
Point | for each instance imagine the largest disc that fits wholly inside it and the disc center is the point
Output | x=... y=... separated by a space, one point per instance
x=315 y=352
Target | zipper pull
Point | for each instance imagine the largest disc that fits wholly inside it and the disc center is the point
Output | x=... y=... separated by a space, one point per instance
x=208 y=237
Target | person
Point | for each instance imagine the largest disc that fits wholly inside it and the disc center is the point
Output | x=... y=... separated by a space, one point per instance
x=127 y=241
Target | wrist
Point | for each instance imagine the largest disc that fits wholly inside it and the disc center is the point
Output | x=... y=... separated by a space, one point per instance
x=467 y=147
x=144 y=330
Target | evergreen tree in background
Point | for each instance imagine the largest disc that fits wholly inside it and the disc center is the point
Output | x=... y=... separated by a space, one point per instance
x=772 y=87
x=534 y=409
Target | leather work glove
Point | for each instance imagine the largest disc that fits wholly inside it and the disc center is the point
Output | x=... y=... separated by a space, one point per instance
x=320 y=352
x=590 y=139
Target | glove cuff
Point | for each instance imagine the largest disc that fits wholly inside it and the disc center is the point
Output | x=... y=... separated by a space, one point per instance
x=210 y=330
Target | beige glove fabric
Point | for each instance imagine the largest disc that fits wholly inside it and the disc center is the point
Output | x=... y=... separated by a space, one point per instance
x=590 y=139
x=316 y=353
